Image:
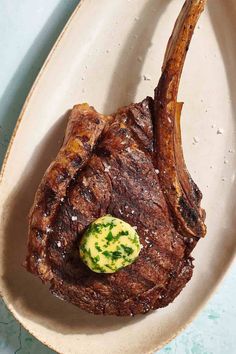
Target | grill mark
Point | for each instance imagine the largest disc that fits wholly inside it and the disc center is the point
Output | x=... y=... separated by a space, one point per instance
x=49 y=199
x=171 y=290
x=132 y=174
x=147 y=147
x=119 y=284
x=76 y=162
x=158 y=258
x=87 y=194
x=136 y=276
x=148 y=272
x=158 y=244
x=62 y=176
x=102 y=152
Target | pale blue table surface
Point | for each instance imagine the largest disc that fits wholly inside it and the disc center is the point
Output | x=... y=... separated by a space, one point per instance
x=28 y=29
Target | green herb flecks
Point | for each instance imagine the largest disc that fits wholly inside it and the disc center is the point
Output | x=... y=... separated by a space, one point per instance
x=106 y=254
x=109 y=236
x=98 y=248
x=96 y=259
x=116 y=254
x=127 y=249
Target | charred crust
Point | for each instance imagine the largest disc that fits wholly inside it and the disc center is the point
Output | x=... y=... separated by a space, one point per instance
x=102 y=152
x=76 y=162
x=38 y=233
x=48 y=200
x=189 y=214
x=62 y=176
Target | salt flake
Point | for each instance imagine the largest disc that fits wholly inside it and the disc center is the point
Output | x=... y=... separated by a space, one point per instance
x=107 y=168
x=146 y=78
x=196 y=139
x=220 y=131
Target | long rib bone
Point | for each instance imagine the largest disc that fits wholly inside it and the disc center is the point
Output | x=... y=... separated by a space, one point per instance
x=181 y=192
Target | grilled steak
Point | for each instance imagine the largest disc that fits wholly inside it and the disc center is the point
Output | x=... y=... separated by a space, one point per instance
x=130 y=165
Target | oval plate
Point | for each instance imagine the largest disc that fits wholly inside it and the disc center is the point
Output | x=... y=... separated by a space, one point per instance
x=102 y=57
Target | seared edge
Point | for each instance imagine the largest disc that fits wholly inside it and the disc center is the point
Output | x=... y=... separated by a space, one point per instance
x=80 y=139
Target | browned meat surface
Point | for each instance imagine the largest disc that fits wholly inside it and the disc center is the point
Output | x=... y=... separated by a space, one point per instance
x=130 y=165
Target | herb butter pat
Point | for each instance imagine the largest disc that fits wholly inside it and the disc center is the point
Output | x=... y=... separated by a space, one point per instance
x=109 y=244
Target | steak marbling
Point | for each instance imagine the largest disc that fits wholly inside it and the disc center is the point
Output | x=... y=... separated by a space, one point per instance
x=130 y=165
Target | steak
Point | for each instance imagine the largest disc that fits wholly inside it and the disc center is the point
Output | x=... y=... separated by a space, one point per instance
x=130 y=165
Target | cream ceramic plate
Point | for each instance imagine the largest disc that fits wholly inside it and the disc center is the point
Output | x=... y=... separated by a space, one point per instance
x=101 y=58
